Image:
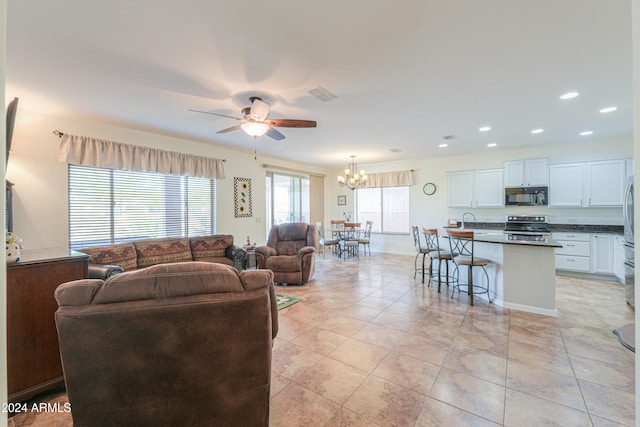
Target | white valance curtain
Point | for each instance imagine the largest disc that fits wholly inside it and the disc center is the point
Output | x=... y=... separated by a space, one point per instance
x=85 y=151
x=389 y=179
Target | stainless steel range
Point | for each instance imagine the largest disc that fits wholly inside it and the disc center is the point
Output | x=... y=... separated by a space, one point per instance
x=527 y=227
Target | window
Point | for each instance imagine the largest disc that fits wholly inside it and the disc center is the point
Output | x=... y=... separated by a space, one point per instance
x=112 y=206
x=387 y=207
x=287 y=199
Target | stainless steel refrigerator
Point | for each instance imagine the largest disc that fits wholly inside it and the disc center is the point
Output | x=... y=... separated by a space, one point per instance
x=626 y=334
x=629 y=248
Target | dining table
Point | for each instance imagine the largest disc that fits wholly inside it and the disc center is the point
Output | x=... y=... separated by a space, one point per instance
x=348 y=237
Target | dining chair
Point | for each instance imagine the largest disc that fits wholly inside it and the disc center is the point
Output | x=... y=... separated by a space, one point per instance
x=324 y=243
x=462 y=244
x=436 y=253
x=365 y=239
x=350 y=242
x=419 y=250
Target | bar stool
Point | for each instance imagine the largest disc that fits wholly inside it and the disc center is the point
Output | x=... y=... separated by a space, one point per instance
x=437 y=254
x=462 y=243
x=419 y=249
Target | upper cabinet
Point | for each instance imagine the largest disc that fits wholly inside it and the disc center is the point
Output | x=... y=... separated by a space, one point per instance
x=526 y=173
x=476 y=189
x=590 y=184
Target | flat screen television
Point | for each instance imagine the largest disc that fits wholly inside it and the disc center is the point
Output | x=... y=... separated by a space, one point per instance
x=11 y=118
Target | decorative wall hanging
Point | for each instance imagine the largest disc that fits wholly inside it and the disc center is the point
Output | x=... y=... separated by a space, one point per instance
x=242 y=197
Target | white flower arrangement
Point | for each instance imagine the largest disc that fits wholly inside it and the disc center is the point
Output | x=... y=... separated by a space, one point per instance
x=14 y=245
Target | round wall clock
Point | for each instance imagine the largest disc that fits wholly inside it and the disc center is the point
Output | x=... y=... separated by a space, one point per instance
x=429 y=188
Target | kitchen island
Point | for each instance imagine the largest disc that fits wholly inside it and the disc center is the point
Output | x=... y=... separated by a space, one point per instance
x=521 y=272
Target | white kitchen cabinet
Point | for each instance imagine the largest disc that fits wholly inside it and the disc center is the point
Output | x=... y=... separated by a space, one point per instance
x=618 y=257
x=590 y=184
x=460 y=189
x=566 y=187
x=602 y=253
x=605 y=183
x=575 y=253
x=475 y=189
x=526 y=173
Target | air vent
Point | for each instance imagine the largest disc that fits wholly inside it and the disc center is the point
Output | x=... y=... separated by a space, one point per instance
x=322 y=94
x=395 y=150
x=449 y=137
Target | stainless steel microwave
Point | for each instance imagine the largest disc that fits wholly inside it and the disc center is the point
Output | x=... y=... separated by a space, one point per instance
x=526 y=196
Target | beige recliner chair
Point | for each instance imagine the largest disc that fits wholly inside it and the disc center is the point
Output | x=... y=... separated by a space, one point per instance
x=290 y=252
x=172 y=344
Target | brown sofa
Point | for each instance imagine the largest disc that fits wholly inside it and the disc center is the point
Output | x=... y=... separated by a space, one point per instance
x=173 y=344
x=290 y=252
x=105 y=260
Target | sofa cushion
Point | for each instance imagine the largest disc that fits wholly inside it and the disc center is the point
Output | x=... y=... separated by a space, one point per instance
x=160 y=251
x=210 y=246
x=122 y=254
x=217 y=259
x=170 y=281
x=284 y=263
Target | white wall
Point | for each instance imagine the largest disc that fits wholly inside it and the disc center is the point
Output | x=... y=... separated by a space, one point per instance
x=3 y=266
x=432 y=211
x=40 y=191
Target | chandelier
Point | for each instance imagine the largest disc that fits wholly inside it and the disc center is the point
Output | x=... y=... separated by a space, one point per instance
x=352 y=179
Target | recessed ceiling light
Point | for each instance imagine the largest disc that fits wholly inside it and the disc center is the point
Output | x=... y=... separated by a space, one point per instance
x=491 y=144
x=443 y=145
x=608 y=109
x=586 y=132
x=485 y=128
x=569 y=95
x=537 y=131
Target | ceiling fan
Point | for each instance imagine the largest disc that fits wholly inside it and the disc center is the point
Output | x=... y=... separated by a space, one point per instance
x=255 y=121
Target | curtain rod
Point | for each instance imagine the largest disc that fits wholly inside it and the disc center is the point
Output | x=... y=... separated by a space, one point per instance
x=60 y=135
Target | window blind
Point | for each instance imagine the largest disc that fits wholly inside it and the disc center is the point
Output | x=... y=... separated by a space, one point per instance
x=109 y=206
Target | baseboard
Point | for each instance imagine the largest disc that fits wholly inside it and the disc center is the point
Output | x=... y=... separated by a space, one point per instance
x=529 y=309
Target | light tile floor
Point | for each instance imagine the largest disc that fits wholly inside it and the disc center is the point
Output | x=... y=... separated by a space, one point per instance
x=369 y=345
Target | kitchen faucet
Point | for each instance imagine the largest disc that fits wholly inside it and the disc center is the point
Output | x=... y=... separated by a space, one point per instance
x=468 y=212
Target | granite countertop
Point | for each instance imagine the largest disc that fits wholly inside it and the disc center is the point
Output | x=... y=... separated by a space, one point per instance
x=571 y=228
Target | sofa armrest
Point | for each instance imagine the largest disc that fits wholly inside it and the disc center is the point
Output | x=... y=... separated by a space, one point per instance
x=238 y=255
x=97 y=271
x=266 y=251
x=306 y=250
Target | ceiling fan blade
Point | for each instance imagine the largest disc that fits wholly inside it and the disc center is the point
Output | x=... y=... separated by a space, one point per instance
x=275 y=134
x=231 y=129
x=290 y=123
x=216 y=114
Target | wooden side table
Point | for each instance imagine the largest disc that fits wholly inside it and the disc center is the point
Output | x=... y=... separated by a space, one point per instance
x=33 y=353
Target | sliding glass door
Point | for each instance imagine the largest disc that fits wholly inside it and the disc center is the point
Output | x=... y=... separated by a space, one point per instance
x=287 y=198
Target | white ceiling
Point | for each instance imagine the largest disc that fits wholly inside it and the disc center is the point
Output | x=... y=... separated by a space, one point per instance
x=406 y=73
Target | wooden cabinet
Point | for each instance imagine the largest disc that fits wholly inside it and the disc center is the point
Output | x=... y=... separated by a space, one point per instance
x=33 y=355
x=475 y=189
x=590 y=184
x=526 y=173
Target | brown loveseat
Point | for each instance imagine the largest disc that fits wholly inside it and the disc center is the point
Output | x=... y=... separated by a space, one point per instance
x=174 y=344
x=290 y=252
x=144 y=253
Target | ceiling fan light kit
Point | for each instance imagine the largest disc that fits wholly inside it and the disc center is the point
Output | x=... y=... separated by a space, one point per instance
x=255 y=121
x=255 y=129
x=352 y=179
